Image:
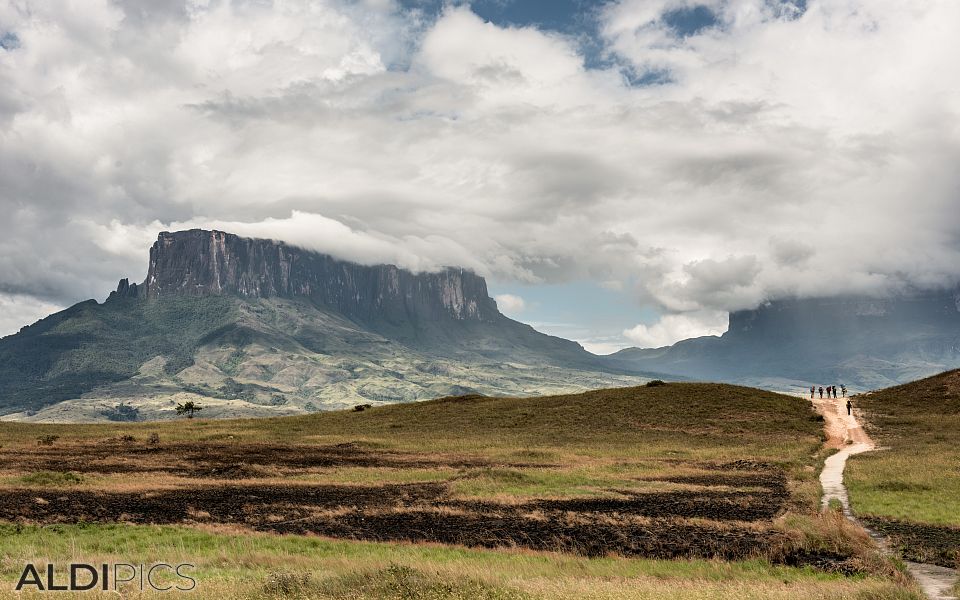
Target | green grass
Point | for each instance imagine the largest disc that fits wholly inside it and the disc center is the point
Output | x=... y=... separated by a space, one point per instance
x=584 y=444
x=50 y=478
x=631 y=429
x=916 y=479
x=487 y=482
x=677 y=420
x=908 y=484
x=257 y=565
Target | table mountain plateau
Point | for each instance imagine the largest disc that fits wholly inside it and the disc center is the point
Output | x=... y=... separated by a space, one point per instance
x=253 y=327
x=865 y=343
x=249 y=327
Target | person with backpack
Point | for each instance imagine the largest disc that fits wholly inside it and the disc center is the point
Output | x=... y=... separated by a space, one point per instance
x=821 y=392
x=813 y=389
x=843 y=390
x=849 y=407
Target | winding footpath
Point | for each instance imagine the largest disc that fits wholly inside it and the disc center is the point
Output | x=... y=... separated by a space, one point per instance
x=846 y=435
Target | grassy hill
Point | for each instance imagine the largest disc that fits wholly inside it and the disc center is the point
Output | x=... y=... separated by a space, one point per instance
x=910 y=489
x=256 y=357
x=89 y=345
x=673 y=491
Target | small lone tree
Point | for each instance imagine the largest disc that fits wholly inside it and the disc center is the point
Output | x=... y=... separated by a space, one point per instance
x=188 y=408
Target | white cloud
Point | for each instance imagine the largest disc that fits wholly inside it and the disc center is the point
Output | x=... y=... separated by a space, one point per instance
x=17 y=311
x=510 y=304
x=675 y=327
x=788 y=150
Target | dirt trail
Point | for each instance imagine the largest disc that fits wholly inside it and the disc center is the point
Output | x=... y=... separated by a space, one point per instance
x=845 y=434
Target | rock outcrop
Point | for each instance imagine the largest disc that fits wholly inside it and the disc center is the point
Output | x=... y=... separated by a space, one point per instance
x=204 y=263
x=125 y=290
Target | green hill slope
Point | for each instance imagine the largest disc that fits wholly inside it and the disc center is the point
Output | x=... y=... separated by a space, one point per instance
x=257 y=357
x=90 y=345
x=910 y=490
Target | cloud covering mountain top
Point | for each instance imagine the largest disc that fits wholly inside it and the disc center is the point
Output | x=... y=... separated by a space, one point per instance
x=712 y=155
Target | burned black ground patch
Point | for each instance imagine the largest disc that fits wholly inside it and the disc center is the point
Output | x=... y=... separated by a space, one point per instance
x=702 y=504
x=772 y=480
x=250 y=504
x=641 y=525
x=724 y=511
x=935 y=544
x=223 y=460
x=564 y=532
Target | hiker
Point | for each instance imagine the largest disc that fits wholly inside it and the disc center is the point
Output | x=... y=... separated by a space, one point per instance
x=821 y=392
x=813 y=389
x=843 y=390
x=849 y=407
x=834 y=392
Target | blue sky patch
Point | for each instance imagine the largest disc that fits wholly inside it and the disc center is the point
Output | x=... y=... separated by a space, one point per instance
x=564 y=16
x=690 y=20
x=647 y=78
x=9 y=41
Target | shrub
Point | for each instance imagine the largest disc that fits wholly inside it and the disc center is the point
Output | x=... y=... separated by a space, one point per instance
x=121 y=412
x=53 y=478
x=188 y=408
x=362 y=407
x=153 y=439
x=47 y=440
x=656 y=383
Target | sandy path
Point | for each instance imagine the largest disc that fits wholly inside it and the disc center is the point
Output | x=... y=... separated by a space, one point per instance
x=845 y=434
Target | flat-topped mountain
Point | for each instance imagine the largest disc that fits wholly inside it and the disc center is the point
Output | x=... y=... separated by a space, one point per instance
x=208 y=263
x=862 y=342
x=252 y=326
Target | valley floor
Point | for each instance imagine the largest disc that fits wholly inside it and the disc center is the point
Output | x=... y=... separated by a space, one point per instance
x=676 y=491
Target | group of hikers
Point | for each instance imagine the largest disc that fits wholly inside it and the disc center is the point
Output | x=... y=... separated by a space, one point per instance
x=832 y=392
x=831 y=389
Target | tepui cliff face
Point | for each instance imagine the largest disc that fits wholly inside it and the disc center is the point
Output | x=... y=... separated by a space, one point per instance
x=208 y=263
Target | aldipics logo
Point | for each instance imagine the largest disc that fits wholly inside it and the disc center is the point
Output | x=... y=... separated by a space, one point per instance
x=81 y=577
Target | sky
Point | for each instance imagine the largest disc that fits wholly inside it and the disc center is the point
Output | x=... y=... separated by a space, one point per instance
x=624 y=173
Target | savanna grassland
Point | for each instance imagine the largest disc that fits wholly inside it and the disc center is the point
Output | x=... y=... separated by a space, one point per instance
x=909 y=490
x=672 y=491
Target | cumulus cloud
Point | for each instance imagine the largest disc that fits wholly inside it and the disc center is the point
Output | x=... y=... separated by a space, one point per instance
x=510 y=304
x=17 y=311
x=672 y=328
x=753 y=147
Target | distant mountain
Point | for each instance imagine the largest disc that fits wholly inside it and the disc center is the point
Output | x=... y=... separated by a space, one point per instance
x=865 y=343
x=257 y=327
